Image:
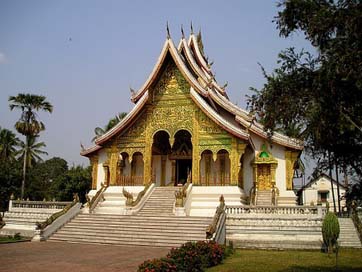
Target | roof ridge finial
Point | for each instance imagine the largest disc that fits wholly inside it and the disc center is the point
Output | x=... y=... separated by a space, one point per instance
x=182 y=32
x=192 y=29
x=168 y=31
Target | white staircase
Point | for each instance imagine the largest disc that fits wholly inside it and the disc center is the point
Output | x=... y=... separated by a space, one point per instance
x=205 y=199
x=264 y=198
x=160 y=203
x=160 y=231
x=113 y=201
x=23 y=222
x=154 y=225
x=348 y=236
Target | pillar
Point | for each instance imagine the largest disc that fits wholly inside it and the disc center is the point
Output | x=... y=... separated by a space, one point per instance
x=94 y=165
x=290 y=159
x=237 y=150
x=196 y=156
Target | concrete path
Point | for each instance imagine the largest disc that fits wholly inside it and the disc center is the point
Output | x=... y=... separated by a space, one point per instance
x=66 y=257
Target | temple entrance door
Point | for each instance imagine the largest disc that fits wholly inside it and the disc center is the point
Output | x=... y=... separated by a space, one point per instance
x=264 y=177
x=183 y=167
x=181 y=155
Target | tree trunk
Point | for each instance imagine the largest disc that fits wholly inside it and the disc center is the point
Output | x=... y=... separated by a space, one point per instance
x=338 y=194
x=24 y=167
x=330 y=176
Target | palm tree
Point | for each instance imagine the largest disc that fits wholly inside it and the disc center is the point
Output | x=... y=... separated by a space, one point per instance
x=31 y=151
x=28 y=124
x=8 y=142
x=111 y=123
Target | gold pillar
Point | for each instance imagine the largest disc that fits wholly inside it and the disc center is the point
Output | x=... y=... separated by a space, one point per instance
x=237 y=150
x=290 y=159
x=113 y=163
x=94 y=165
x=196 y=157
x=255 y=173
x=147 y=170
x=273 y=167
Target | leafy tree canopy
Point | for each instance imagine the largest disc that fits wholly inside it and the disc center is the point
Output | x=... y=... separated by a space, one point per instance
x=318 y=97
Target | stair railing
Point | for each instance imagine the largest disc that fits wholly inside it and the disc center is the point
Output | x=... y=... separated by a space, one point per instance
x=129 y=196
x=275 y=195
x=181 y=194
x=133 y=206
x=57 y=220
x=92 y=203
x=216 y=231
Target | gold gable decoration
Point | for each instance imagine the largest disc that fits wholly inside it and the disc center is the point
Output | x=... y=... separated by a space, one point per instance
x=264 y=167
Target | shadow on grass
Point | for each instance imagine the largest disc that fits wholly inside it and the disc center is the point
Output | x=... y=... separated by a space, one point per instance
x=298 y=268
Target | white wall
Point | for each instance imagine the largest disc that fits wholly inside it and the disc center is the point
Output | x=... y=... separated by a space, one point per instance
x=102 y=157
x=248 y=170
x=323 y=184
x=278 y=152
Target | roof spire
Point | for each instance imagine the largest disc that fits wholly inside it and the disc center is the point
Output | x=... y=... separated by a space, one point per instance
x=168 y=31
x=182 y=32
x=192 y=29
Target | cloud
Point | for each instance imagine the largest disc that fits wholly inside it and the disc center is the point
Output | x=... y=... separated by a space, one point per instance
x=2 y=58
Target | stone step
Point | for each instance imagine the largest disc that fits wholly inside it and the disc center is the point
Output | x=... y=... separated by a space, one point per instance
x=141 y=224
x=134 y=235
x=121 y=242
x=271 y=244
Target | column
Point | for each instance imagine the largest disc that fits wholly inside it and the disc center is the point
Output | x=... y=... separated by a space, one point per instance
x=290 y=159
x=147 y=170
x=237 y=150
x=94 y=165
x=113 y=162
x=196 y=156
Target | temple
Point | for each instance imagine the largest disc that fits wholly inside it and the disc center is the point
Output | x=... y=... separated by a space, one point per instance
x=183 y=127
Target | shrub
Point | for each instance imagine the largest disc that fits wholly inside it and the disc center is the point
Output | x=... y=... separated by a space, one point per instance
x=191 y=256
x=330 y=231
x=158 y=265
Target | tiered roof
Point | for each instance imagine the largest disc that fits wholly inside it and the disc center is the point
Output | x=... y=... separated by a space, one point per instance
x=204 y=91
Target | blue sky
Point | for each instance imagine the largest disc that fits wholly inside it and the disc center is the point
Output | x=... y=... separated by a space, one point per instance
x=84 y=55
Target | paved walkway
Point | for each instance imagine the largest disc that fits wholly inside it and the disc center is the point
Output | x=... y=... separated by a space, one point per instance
x=66 y=257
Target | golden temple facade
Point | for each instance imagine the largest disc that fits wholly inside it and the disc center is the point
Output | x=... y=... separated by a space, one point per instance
x=184 y=126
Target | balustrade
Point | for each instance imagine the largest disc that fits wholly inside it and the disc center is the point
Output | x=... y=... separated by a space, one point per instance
x=39 y=204
x=215 y=181
x=303 y=210
x=130 y=181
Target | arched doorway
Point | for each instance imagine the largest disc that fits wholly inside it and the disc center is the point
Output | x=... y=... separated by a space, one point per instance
x=181 y=155
x=161 y=165
x=222 y=168
x=207 y=169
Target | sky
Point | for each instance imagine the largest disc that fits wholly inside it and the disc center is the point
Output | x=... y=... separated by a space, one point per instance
x=85 y=55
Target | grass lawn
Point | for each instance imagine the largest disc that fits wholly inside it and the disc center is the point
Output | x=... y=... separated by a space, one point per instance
x=263 y=260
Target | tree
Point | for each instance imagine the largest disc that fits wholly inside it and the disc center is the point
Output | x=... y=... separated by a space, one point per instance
x=98 y=131
x=8 y=144
x=43 y=177
x=31 y=152
x=10 y=176
x=318 y=97
x=28 y=124
x=76 y=180
x=330 y=233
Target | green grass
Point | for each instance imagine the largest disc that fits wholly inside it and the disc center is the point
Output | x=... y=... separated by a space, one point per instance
x=263 y=260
